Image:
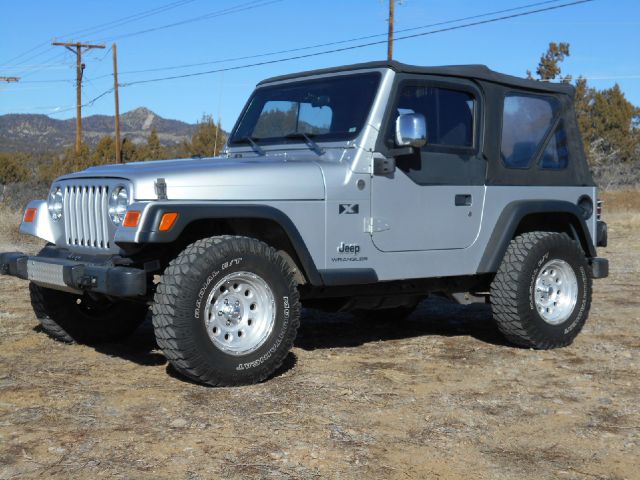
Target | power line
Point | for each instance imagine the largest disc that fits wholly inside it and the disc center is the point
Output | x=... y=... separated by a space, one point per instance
x=38 y=55
x=87 y=104
x=353 y=47
x=49 y=81
x=99 y=28
x=608 y=77
x=218 y=13
x=28 y=73
x=116 y=23
x=339 y=42
x=31 y=107
x=103 y=26
x=44 y=66
x=27 y=52
x=131 y=18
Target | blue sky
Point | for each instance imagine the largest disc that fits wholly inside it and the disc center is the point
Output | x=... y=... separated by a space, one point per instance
x=603 y=35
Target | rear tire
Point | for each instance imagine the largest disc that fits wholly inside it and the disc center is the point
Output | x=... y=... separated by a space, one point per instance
x=541 y=294
x=226 y=311
x=71 y=318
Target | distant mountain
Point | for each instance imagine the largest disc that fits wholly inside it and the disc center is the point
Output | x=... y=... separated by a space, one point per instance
x=37 y=133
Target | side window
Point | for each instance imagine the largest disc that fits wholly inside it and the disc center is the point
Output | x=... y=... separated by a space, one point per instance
x=526 y=120
x=556 y=155
x=449 y=114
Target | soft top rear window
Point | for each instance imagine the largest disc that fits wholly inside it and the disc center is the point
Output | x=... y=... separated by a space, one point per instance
x=327 y=109
x=526 y=121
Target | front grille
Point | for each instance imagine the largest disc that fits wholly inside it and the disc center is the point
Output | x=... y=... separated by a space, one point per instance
x=86 y=216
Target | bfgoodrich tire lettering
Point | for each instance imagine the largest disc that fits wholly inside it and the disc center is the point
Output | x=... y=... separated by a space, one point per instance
x=513 y=291
x=180 y=304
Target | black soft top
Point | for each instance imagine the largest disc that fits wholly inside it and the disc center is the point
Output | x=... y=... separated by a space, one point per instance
x=481 y=72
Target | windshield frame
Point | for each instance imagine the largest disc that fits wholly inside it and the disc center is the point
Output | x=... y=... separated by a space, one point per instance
x=234 y=142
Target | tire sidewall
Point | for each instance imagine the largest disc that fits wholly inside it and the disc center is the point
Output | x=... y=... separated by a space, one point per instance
x=193 y=305
x=558 y=247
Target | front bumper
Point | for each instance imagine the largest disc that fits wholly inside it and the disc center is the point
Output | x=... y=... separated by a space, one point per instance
x=75 y=276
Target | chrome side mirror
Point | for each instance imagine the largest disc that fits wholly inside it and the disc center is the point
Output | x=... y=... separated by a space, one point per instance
x=411 y=130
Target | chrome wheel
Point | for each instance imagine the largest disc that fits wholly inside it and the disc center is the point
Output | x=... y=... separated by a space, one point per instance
x=240 y=313
x=556 y=291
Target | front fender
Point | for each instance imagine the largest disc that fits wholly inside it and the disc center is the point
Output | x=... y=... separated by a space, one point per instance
x=41 y=226
x=147 y=230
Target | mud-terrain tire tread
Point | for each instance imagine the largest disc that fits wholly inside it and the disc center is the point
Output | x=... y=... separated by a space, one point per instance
x=57 y=319
x=505 y=298
x=172 y=334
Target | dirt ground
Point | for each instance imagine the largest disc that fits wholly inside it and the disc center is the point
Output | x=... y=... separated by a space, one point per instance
x=439 y=395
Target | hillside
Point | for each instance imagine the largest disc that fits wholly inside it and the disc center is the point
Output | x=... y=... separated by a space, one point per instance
x=38 y=133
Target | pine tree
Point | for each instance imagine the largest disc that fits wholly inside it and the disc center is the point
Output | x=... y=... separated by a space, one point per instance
x=549 y=64
x=129 y=151
x=105 y=151
x=154 y=149
x=208 y=139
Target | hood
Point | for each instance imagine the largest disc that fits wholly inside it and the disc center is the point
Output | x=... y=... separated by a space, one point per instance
x=249 y=178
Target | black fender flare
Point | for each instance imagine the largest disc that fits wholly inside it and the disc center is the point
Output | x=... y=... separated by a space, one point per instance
x=147 y=231
x=510 y=218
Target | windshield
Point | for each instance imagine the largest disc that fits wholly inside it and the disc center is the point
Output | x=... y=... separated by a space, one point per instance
x=327 y=109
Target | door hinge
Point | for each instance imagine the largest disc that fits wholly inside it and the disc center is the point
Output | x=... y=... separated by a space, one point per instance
x=375 y=224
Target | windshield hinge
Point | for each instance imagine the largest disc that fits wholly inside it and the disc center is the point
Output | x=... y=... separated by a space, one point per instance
x=160 y=186
x=375 y=224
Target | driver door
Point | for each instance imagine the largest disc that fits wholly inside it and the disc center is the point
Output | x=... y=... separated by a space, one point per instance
x=434 y=198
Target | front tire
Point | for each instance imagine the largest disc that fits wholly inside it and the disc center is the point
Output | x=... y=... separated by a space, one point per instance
x=226 y=311
x=541 y=294
x=71 y=318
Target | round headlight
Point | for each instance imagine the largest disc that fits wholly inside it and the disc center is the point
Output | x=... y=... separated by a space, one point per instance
x=55 y=203
x=118 y=203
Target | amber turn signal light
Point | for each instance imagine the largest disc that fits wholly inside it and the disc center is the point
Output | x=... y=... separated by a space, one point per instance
x=167 y=221
x=30 y=215
x=132 y=218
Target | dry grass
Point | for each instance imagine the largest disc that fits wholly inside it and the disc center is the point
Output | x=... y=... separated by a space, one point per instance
x=10 y=236
x=622 y=201
x=622 y=208
x=10 y=225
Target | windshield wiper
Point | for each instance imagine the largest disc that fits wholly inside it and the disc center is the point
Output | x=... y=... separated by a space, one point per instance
x=308 y=140
x=257 y=148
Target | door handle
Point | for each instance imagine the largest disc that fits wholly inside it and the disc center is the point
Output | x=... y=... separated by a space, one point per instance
x=463 y=200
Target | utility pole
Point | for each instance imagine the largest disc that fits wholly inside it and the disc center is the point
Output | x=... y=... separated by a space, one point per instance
x=9 y=79
x=115 y=96
x=390 y=37
x=77 y=49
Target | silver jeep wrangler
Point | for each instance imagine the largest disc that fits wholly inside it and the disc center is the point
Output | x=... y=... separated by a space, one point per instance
x=362 y=188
